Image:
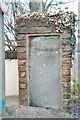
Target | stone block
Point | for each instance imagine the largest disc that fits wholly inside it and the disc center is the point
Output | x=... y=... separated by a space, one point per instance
x=21 y=62
x=22 y=85
x=66 y=79
x=66 y=60
x=66 y=89
x=24 y=102
x=22 y=74
x=22 y=68
x=21 y=37
x=22 y=80
x=23 y=93
x=43 y=23
x=34 y=30
x=22 y=56
x=21 y=49
x=66 y=43
x=66 y=66
x=66 y=95
x=67 y=105
x=26 y=22
x=66 y=84
x=66 y=48
x=43 y=29
x=66 y=35
x=66 y=54
x=66 y=72
x=21 y=43
x=67 y=108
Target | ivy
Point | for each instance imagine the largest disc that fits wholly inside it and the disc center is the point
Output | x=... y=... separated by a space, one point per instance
x=60 y=20
x=73 y=42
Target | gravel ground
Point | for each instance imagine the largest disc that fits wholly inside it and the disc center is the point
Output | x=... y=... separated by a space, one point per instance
x=13 y=110
x=34 y=112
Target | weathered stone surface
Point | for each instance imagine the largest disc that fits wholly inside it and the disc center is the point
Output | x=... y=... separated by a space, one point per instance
x=66 y=48
x=26 y=22
x=66 y=35
x=66 y=60
x=66 y=54
x=66 y=72
x=22 y=86
x=23 y=94
x=22 y=56
x=66 y=79
x=23 y=80
x=21 y=49
x=66 y=89
x=43 y=22
x=22 y=68
x=23 y=98
x=66 y=95
x=43 y=29
x=22 y=74
x=66 y=43
x=67 y=105
x=21 y=62
x=24 y=102
x=66 y=84
x=21 y=43
x=35 y=30
x=66 y=66
x=21 y=36
x=67 y=108
x=67 y=102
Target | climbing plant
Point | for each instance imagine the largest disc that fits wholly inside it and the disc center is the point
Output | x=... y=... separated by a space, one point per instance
x=60 y=20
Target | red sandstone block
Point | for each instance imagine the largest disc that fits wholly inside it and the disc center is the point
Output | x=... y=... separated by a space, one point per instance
x=22 y=68
x=66 y=89
x=67 y=104
x=66 y=66
x=22 y=85
x=24 y=102
x=66 y=95
x=21 y=43
x=66 y=54
x=22 y=74
x=22 y=56
x=66 y=60
x=22 y=95
x=66 y=79
x=21 y=49
x=23 y=80
x=21 y=37
x=21 y=62
x=66 y=84
x=66 y=72
x=23 y=92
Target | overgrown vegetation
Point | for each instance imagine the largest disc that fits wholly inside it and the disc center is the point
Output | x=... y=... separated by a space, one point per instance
x=75 y=88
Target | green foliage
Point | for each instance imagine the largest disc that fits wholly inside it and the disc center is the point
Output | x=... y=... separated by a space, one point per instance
x=73 y=42
x=75 y=88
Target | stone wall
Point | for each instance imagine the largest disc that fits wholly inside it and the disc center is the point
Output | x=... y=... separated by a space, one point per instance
x=27 y=27
x=66 y=71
